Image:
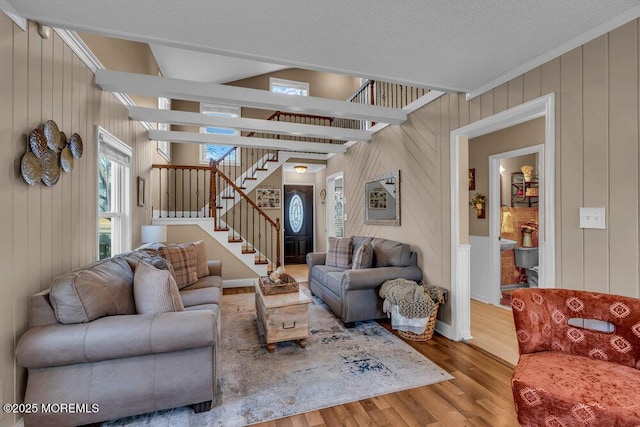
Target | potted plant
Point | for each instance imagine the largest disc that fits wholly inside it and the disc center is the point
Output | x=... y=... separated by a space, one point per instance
x=479 y=201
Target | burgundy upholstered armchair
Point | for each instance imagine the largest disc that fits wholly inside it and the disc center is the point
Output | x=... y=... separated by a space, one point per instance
x=568 y=373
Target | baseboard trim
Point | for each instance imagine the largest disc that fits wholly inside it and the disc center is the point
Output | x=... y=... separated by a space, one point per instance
x=444 y=329
x=239 y=283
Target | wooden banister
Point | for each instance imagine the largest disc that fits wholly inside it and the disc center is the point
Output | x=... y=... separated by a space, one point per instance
x=244 y=196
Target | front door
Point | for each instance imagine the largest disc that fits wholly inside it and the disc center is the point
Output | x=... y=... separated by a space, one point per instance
x=298 y=223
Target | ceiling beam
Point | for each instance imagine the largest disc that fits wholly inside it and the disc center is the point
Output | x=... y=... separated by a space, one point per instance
x=255 y=125
x=141 y=84
x=243 y=141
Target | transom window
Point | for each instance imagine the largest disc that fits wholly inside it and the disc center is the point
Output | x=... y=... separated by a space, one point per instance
x=289 y=87
x=214 y=151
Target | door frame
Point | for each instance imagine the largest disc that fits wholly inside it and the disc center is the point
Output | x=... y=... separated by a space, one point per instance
x=330 y=202
x=494 y=213
x=543 y=106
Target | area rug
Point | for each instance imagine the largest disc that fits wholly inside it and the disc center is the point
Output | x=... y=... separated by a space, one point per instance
x=337 y=366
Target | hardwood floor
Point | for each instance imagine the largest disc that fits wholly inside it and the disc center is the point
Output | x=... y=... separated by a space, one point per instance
x=493 y=331
x=480 y=394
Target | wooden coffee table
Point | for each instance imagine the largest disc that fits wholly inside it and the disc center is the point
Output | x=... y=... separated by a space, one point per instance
x=283 y=317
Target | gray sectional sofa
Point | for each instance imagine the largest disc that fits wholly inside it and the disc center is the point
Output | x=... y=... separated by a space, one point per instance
x=352 y=294
x=124 y=362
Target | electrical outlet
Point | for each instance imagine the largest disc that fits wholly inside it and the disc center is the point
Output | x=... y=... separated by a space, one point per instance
x=592 y=218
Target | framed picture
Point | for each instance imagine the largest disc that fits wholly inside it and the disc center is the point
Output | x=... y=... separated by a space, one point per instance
x=472 y=179
x=268 y=198
x=140 y=191
x=378 y=199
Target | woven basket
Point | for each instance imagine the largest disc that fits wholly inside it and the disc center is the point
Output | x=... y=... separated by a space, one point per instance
x=428 y=331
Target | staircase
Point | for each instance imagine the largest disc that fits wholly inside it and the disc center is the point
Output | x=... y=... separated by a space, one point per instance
x=214 y=197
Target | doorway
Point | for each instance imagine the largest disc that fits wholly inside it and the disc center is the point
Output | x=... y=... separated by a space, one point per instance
x=298 y=223
x=460 y=248
x=520 y=209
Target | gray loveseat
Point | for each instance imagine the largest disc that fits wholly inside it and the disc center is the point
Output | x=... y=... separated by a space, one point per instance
x=353 y=293
x=126 y=363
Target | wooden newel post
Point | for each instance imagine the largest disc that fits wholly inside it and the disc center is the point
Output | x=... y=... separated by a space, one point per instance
x=278 y=243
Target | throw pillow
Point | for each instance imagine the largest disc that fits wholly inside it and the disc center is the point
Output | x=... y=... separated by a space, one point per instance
x=183 y=261
x=201 y=259
x=155 y=291
x=363 y=257
x=339 y=252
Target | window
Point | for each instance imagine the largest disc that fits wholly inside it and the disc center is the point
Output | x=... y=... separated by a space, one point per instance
x=214 y=151
x=164 y=147
x=296 y=213
x=289 y=87
x=114 y=205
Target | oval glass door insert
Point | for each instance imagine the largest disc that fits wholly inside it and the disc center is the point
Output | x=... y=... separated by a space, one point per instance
x=296 y=213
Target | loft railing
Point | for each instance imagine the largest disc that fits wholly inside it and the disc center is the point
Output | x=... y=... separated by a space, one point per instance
x=207 y=192
x=384 y=94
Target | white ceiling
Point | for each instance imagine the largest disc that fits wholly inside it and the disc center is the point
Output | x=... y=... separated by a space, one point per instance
x=207 y=67
x=456 y=45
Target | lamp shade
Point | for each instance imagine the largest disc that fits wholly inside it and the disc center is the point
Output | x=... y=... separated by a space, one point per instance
x=154 y=233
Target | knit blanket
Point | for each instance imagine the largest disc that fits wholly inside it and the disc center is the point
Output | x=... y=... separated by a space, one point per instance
x=409 y=296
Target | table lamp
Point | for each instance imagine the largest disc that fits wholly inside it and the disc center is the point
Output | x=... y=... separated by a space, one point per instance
x=154 y=233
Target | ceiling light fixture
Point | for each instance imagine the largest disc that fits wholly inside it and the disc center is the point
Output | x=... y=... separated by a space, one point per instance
x=300 y=168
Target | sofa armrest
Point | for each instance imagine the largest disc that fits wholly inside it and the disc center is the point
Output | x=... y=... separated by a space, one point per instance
x=316 y=258
x=370 y=278
x=115 y=337
x=215 y=267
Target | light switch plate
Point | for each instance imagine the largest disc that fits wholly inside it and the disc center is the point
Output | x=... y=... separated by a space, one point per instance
x=592 y=218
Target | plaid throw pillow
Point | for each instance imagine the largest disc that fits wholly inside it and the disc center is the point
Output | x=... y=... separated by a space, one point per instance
x=339 y=253
x=363 y=257
x=183 y=261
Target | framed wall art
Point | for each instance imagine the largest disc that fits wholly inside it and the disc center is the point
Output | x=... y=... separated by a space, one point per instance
x=140 y=191
x=268 y=198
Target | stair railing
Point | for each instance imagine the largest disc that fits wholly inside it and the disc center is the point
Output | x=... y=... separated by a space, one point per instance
x=245 y=220
x=181 y=191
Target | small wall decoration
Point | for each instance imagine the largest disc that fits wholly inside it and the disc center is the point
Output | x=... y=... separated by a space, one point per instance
x=472 y=179
x=378 y=199
x=478 y=202
x=140 y=191
x=50 y=153
x=268 y=198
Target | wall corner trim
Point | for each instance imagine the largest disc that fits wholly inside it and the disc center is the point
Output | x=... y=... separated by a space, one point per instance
x=80 y=48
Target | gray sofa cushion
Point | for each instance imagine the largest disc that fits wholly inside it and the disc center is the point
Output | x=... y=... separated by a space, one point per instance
x=389 y=253
x=359 y=241
x=333 y=282
x=104 y=288
x=318 y=272
x=363 y=257
x=200 y=296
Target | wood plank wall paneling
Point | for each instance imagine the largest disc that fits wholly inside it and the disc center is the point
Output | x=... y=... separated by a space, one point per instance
x=48 y=231
x=597 y=164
